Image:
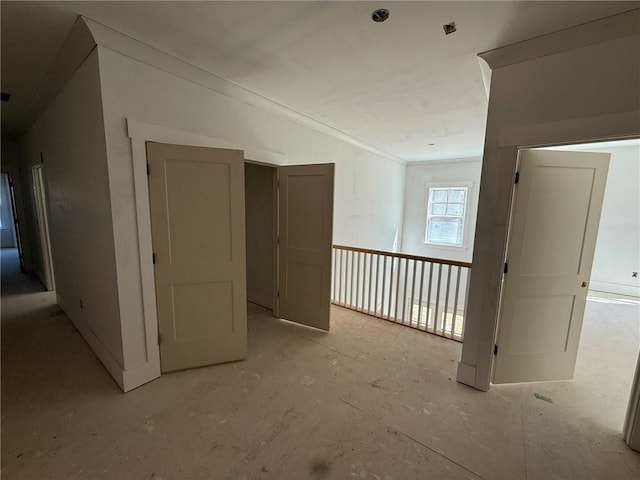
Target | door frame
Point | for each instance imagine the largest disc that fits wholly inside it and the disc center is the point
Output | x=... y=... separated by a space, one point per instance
x=631 y=425
x=500 y=153
x=39 y=190
x=139 y=133
x=515 y=152
x=511 y=142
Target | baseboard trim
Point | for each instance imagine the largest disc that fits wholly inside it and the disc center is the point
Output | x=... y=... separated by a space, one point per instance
x=616 y=288
x=139 y=375
x=466 y=374
x=263 y=300
x=109 y=363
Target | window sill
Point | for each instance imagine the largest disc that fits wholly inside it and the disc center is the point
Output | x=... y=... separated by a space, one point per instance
x=451 y=248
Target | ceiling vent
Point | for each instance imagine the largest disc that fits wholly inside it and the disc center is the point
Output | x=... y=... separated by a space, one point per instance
x=5 y=96
x=449 y=28
x=380 y=15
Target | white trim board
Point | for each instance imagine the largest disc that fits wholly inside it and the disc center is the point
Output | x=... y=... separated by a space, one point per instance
x=615 y=288
x=112 y=365
x=444 y=161
x=158 y=133
x=593 y=32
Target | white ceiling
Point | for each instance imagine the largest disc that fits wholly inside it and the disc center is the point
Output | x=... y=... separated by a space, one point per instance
x=400 y=85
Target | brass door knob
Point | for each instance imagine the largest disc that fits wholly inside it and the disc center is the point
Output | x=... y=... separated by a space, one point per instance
x=583 y=284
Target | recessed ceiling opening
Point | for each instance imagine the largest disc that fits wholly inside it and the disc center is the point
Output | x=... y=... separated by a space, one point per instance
x=449 y=28
x=380 y=15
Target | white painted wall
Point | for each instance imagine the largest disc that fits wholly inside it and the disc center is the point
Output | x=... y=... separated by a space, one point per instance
x=70 y=134
x=368 y=188
x=415 y=205
x=419 y=175
x=618 y=249
x=549 y=90
x=617 y=252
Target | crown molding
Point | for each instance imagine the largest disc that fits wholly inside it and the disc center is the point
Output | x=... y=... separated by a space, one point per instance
x=444 y=161
x=597 y=31
x=130 y=47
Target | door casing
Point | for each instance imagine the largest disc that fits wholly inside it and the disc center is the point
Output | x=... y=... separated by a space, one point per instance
x=43 y=225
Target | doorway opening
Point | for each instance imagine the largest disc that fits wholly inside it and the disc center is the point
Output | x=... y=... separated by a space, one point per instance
x=608 y=344
x=10 y=238
x=289 y=220
x=261 y=233
x=610 y=339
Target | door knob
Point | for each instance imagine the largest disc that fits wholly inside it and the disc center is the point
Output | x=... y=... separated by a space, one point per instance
x=583 y=284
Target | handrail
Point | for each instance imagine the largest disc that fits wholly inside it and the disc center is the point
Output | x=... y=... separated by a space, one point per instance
x=420 y=292
x=404 y=255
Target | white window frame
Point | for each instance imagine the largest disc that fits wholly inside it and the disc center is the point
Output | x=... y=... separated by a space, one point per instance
x=465 y=216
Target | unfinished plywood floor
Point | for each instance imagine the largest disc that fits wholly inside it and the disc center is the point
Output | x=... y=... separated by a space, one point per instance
x=370 y=400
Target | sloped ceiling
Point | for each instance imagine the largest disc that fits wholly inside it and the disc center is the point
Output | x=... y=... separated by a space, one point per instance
x=402 y=86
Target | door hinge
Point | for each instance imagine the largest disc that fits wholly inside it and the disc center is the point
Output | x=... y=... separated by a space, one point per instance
x=495 y=349
x=41 y=158
x=147 y=169
x=278 y=293
x=159 y=339
x=517 y=177
x=506 y=267
x=153 y=258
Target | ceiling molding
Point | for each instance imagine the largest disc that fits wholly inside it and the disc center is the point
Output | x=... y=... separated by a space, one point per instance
x=590 y=33
x=130 y=47
x=444 y=161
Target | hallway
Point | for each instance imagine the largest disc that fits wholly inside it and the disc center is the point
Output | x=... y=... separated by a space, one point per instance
x=369 y=400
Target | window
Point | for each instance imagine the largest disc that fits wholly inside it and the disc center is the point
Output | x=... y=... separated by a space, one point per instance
x=4 y=185
x=446 y=208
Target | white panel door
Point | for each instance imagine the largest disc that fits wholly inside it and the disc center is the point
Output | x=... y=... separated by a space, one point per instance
x=198 y=233
x=552 y=240
x=305 y=226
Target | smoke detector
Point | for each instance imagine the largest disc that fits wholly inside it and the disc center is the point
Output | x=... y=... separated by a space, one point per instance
x=380 y=15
